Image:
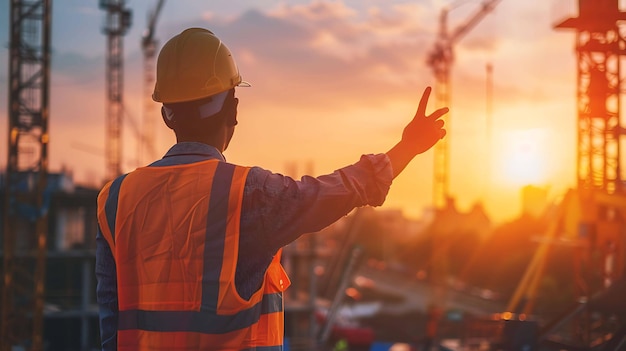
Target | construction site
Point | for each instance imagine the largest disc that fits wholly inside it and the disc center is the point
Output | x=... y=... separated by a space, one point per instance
x=552 y=278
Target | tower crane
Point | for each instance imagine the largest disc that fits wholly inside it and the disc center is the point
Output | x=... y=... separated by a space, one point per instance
x=149 y=45
x=598 y=206
x=118 y=21
x=591 y=217
x=440 y=59
x=25 y=210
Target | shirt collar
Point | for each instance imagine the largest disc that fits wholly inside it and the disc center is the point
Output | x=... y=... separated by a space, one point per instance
x=195 y=148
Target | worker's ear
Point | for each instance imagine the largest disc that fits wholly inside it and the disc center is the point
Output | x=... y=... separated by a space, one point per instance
x=231 y=113
x=169 y=122
x=231 y=120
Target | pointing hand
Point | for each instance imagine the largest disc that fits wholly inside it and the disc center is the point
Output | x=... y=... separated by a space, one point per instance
x=424 y=130
x=418 y=136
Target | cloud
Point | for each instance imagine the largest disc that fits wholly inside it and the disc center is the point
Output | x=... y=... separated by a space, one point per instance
x=75 y=68
x=323 y=55
x=326 y=54
x=337 y=30
x=317 y=11
x=346 y=72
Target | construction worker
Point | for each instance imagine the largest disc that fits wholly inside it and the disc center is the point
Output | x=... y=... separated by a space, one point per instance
x=188 y=248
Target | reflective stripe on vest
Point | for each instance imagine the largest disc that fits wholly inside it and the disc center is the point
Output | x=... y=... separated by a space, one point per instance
x=178 y=291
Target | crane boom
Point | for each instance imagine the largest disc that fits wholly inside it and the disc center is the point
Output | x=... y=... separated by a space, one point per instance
x=148 y=36
x=440 y=59
x=462 y=29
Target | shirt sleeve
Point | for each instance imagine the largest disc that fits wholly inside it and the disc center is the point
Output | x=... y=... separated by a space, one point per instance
x=106 y=293
x=278 y=209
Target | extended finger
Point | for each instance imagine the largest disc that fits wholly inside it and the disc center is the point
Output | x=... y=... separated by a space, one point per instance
x=438 y=113
x=421 y=109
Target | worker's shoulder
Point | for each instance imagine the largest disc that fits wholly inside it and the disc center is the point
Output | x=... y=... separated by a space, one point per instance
x=260 y=172
x=111 y=186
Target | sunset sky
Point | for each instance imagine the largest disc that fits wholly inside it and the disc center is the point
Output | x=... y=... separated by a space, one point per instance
x=335 y=79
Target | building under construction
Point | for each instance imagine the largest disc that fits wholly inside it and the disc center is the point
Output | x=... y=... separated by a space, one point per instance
x=344 y=283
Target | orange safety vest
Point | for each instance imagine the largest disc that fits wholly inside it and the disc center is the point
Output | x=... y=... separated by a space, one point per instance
x=174 y=235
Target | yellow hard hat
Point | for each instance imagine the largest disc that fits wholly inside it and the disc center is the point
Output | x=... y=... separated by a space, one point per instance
x=194 y=64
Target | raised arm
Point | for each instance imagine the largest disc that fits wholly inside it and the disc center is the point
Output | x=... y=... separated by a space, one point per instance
x=418 y=136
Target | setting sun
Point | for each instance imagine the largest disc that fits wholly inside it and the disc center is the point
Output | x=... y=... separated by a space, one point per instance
x=522 y=159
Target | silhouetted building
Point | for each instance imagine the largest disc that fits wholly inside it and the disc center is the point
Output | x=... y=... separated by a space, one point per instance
x=70 y=310
x=534 y=200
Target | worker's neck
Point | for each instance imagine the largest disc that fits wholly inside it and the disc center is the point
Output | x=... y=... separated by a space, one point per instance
x=215 y=142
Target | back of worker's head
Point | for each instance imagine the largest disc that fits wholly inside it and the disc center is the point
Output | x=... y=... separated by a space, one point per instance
x=196 y=76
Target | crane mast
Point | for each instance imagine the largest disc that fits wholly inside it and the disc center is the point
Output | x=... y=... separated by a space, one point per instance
x=148 y=46
x=599 y=46
x=440 y=59
x=25 y=209
x=592 y=216
x=118 y=21
x=598 y=204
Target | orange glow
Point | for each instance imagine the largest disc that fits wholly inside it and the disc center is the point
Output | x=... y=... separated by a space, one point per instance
x=342 y=80
x=353 y=293
x=522 y=158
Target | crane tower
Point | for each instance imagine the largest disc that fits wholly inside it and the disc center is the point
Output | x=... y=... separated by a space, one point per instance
x=592 y=216
x=600 y=49
x=149 y=45
x=440 y=59
x=25 y=211
x=599 y=46
x=118 y=21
